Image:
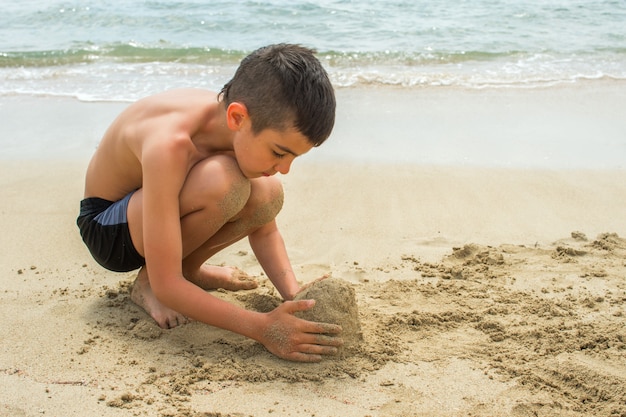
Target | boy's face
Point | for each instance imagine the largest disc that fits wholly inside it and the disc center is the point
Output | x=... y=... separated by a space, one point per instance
x=268 y=152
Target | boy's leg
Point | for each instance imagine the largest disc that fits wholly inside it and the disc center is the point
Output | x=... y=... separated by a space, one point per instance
x=218 y=206
x=263 y=205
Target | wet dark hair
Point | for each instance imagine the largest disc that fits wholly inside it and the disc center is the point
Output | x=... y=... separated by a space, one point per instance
x=284 y=86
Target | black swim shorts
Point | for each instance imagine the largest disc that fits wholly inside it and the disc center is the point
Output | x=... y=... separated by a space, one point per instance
x=104 y=228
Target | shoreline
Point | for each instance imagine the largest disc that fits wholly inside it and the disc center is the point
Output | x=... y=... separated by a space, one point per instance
x=561 y=127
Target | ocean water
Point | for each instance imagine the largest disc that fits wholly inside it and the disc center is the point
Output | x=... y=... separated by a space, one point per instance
x=111 y=50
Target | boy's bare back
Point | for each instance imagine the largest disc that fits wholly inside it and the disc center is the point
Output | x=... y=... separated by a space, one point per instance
x=178 y=115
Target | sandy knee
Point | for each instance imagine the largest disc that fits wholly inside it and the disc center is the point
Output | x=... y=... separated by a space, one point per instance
x=265 y=202
x=217 y=180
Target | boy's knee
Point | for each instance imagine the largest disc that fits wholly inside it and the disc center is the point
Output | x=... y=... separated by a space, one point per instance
x=266 y=200
x=221 y=181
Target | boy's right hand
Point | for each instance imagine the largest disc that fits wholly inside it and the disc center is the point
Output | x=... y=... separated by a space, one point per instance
x=295 y=339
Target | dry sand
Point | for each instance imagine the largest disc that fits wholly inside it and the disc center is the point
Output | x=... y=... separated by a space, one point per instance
x=480 y=293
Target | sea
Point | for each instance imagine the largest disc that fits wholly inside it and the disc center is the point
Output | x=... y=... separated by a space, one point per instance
x=122 y=50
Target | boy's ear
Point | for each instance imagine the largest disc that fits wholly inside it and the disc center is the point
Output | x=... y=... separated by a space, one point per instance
x=236 y=115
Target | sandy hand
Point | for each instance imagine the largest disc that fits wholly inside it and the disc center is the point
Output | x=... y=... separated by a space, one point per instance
x=294 y=339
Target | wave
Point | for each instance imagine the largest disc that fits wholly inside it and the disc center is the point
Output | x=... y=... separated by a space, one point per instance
x=138 y=53
x=127 y=71
x=118 y=52
x=133 y=53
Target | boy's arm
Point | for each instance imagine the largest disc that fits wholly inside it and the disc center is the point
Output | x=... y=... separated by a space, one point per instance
x=269 y=249
x=165 y=164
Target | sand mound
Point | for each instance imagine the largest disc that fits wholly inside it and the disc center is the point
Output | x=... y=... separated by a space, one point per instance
x=334 y=303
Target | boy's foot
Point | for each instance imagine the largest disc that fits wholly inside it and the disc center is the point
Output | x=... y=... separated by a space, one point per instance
x=211 y=277
x=142 y=295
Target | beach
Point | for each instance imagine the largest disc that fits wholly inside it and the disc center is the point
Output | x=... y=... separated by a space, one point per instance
x=486 y=245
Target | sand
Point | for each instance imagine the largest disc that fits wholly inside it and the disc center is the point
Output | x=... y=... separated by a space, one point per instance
x=480 y=292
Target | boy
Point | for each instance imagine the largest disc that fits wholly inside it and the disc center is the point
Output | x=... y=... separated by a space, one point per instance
x=183 y=174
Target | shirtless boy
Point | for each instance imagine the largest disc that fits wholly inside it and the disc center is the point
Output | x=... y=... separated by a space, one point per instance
x=178 y=176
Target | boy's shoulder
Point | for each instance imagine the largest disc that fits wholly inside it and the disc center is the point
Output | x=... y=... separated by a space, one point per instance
x=163 y=117
x=184 y=104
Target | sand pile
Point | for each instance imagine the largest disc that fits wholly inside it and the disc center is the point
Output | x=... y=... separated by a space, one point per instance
x=335 y=303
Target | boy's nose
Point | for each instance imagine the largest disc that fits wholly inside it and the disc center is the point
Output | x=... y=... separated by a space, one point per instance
x=284 y=166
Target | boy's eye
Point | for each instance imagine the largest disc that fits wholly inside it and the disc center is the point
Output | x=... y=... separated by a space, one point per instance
x=278 y=155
